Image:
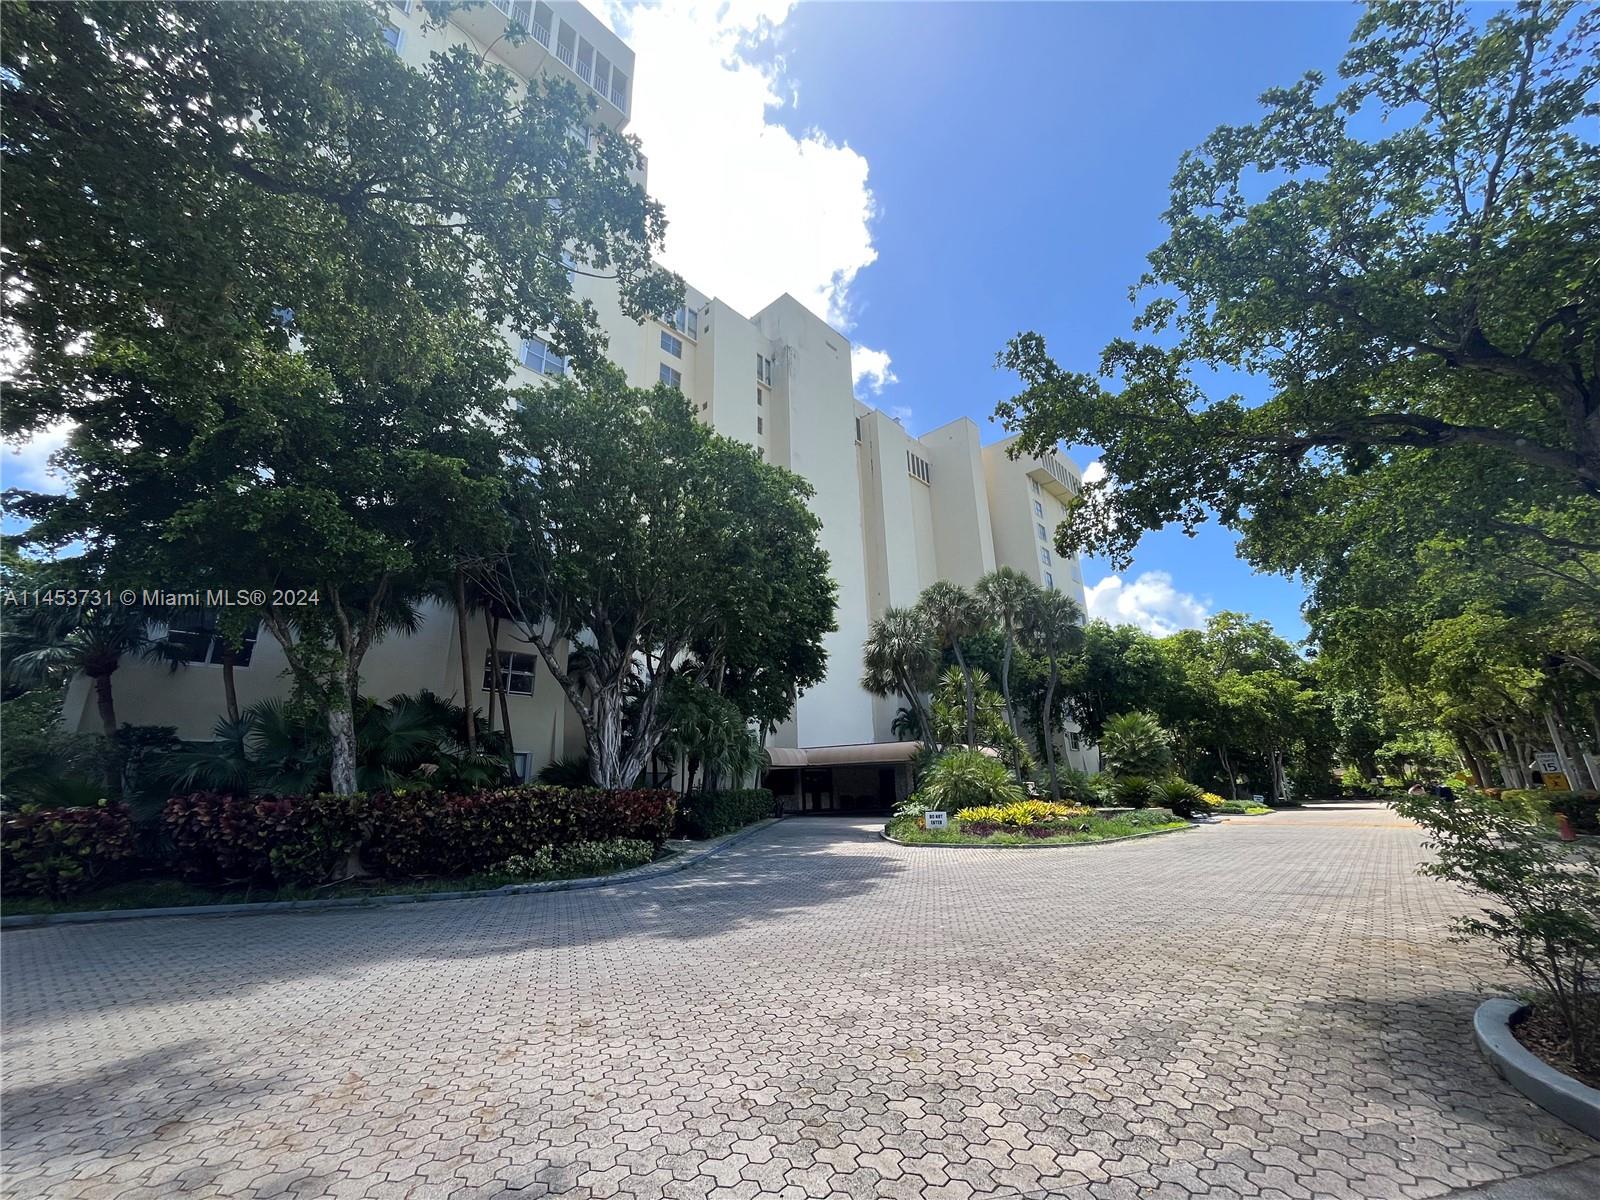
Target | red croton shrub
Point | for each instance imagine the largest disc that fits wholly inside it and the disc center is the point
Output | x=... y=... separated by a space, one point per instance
x=306 y=839
x=57 y=852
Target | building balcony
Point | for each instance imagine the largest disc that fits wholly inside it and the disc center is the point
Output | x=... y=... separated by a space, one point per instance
x=565 y=34
x=1052 y=475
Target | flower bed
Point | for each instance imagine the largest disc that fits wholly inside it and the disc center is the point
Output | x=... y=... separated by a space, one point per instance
x=1034 y=823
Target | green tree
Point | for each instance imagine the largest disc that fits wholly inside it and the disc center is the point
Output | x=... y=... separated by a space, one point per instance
x=901 y=658
x=1428 y=297
x=955 y=615
x=1136 y=744
x=653 y=547
x=1054 y=632
x=1006 y=596
x=266 y=269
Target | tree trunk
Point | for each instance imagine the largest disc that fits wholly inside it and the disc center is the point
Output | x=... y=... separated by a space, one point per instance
x=342 y=731
x=1050 y=736
x=1005 y=682
x=494 y=688
x=230 y=694
x=972 y=699
x=1582 y=781
x=1227 y=767
x=501 y=686
x=466 y=662
x=107 y=706
x=108 y=726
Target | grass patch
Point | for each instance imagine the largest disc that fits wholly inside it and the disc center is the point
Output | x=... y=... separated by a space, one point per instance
x=157 y=892
x=1238 y=808
x=1098 y=829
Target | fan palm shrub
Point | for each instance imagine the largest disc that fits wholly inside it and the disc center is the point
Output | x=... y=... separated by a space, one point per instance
x=1135 y=744
x=1182 y=797
x=1131 y=791
x=968 y=778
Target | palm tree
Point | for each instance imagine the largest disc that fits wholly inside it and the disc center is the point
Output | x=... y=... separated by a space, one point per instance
x=1006 y=596
x=64 y=641
x=1054 y=630
x=900 y=658
x=1134 y=743
x=955 y=614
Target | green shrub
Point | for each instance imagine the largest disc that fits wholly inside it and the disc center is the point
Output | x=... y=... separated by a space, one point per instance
x=536 y=864
x=1151 y=816
x=1582 y=809
x=1021 y=814
x=400 y=834
x=1544 y=901
x=598 y=858
x=60 y=852
x=1182 y=797
x=1135 y=744
x=966 y=779
x=1131 y=791
x=712 y=814
x=1079 y=787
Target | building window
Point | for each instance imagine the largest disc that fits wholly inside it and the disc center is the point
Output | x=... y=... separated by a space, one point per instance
x=1043 y=536
x=671 y=378
x=196 y=639
x=395 y=37
x=1038 y=509
x=1035 y=485
x=1049 y=580
x=858 y=431
x=522 y=765
x=672 y=345
x=919 y=468
x=540 y=359
x=403 y=5
x=1044 y=556
x=516 y=672
x=758 y=398
x=686 y=321
x=759 y=426
x=763 y=370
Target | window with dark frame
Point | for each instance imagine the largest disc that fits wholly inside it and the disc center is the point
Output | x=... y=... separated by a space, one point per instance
x=516 y=671
x=196 y=639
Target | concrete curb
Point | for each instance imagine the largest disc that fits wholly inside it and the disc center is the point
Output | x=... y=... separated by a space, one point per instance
x=679 y=862
x=1127 y=837
x=1558 y=1094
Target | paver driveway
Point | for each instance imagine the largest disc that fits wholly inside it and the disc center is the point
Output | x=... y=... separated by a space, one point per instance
x=1265 y=1008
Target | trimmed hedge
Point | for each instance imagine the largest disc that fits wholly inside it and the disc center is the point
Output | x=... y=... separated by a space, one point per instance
x=306 y=839
x=712 y=814
x=59 y=852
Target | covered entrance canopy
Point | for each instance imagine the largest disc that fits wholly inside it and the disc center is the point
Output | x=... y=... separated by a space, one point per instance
x=865 y=779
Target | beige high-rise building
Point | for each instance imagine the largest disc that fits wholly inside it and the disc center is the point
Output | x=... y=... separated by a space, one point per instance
x=898 y=512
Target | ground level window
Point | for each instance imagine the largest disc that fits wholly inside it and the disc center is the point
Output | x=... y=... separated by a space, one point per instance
x=197 y=639
x=522 y=765
x=516 y=672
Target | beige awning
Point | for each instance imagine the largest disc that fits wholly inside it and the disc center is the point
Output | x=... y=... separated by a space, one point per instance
x=863 y=754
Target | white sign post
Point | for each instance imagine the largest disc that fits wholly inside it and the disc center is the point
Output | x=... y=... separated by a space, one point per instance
x=935 y=820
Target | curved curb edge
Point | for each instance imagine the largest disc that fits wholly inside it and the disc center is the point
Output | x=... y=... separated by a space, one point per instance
x=1127 y=837
x=679 y=862
x=1560 y=1095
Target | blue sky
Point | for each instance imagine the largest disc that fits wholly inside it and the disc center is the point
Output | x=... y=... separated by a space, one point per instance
x=967 y=171
x=1020 y=156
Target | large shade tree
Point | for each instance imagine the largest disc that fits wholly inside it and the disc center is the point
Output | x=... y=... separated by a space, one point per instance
x=264 y=270
x=645 y=549
x=1429 y=297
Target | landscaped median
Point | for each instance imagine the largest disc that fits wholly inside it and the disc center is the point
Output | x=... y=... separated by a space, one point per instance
x=1033 y=823
x=219 y=851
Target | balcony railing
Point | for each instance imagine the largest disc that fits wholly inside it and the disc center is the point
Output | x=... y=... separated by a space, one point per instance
x=541 y=34
x=564 y=53
x=619 y=97
x=583 y=71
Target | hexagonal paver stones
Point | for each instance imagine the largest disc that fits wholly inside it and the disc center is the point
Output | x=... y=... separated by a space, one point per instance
x=1269 y=1008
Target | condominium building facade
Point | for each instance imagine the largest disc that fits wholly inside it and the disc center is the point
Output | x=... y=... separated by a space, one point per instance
x=897 y=511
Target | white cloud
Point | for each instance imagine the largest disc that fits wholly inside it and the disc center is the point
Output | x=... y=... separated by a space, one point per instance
x=870 y=370
x=1094 y=472
x=752 y=210
x=26 y=465
x=1150 y=602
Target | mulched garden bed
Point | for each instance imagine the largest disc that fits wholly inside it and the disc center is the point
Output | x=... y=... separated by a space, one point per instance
x=1542 y=1034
